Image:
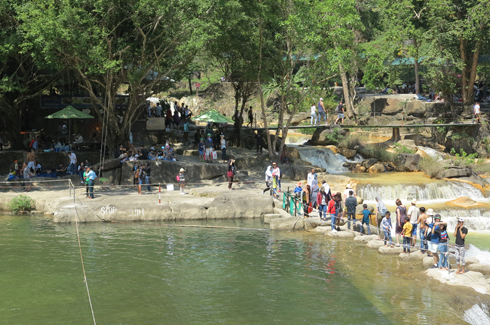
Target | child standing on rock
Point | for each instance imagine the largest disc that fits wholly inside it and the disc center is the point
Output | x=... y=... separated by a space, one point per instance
x=365 y=218
x=181 y=179
x=407 y=235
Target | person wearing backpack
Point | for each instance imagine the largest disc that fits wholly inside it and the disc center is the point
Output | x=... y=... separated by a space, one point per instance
x=321 y=112
x=443 y=251
x=340 y=113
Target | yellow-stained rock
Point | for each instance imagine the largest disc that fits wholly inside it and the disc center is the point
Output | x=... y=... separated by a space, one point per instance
x=333 y=148
x=464 y=202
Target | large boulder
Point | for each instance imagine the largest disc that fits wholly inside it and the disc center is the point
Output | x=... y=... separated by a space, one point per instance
x=376 y=168
x=300 y=117
x=109 y=164
x=409 y=161
x=427 y=262
x=390 y=250
x=410 y=144
x=293 y=223
x=268 y=217
x=478 y=267
x=369 y=162
x=231 y=205
x=365 y=239
x=347 y=153
x=375 y=244
x=415 y=256
x=470 y=279
x=456 y=172
x=341 y=234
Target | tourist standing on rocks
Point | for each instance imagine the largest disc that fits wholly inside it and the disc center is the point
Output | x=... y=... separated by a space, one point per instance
x=181 y=180
x=443 y=250
x=460 y=233
x=380 y=213
x=314 y=195
x=334 y=209
x=322 y=200
x=401 y=214
x=313 y=114
x=208 y=144
x=407 y=235
x=223 y=148
x=260 y=142
x=423 y=227
x=386 y=226
x=312 y=178
x=340 y=113
x=276 y=174
x=200 y=149
x=28 y=173
x=268 y=179
x=139 y=175
x=231 y=172
x=347 y=191
x=86 y=181
x=413 y=214
x=81 y=169
x=147 y=174
x=434 y=239
x=305 y=200
x=321 y=112
x=350 y=206
x=92 y=176
x=365 y=218
x=327 y=190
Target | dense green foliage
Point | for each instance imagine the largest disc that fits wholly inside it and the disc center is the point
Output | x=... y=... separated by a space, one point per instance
x=294 y=49
x=21 y=203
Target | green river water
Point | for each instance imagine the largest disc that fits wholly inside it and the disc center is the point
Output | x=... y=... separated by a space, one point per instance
x=146 y=273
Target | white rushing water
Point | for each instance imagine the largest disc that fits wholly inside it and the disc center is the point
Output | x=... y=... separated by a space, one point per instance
x=326 y=158
x=423 y=193
x=474 y=219
x=477 y=315
x=432 y=153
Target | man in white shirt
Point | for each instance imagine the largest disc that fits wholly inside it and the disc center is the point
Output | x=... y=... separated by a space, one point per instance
x=73 y=162
x=348 y=188
x=313 y=114
x=312 y=178
x=326 y=187
x=414 y=213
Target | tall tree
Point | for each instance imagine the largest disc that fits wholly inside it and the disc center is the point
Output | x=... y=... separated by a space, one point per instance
x=108 y=43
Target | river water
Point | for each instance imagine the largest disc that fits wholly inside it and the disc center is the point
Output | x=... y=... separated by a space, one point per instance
x=146 y=273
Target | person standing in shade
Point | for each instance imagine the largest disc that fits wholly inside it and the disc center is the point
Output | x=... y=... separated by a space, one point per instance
x=208 y=144
x=268 y=179
x=386 y=226
x=321 y=112
x=92 y=176
x=139 y=175
x=85 y=179
x=350 y=205
x=260 y=142
x=73 y=162
x=231 y=172
x=413 y=213
x=313 y=115
x=380 y=214
x=147 y=174
x=223 y=148
x=460 y=233
x=477 y=112
x=201 y=149
x=250 y=117
x=340 y=113
x=181 y=180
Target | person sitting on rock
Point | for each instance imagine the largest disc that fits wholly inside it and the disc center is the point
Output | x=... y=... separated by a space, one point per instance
x=60 y=170
x=284 y=156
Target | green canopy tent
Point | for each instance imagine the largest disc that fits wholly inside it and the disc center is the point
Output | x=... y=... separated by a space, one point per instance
x=212 y=116
x=69 y=113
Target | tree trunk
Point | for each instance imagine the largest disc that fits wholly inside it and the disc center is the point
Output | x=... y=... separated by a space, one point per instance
x=416 y=65
x=190 y=86
x=346 y=87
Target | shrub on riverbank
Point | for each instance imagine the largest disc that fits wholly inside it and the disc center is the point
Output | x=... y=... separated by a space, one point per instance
x=378 y=152
x=430 y=166
x=21 y=203
x=350 y=141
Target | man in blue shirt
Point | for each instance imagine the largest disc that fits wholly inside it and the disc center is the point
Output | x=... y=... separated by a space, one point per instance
x=321 y=111
x=91 y=176
x=435 y=237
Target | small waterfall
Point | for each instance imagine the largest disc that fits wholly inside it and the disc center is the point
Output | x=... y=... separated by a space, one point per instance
x=482 y=256
x=432 y=153
x=474 y=219
x=443 y=191
x=477 y=315
x=326 y=158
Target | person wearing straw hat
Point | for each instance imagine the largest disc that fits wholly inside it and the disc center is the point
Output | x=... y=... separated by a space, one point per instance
x=181 y=179
x=413 y=213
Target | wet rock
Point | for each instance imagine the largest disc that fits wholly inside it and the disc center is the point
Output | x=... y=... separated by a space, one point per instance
x=323 y=229
x=409 y=162
x=288 y=224
x=456 y=172
x=478 y=267
x=341 y=234
x=376 y=168
x=415 y=256
x=427 y=262
x=347 y=153
x=232 y=205
x=268 y=217
x=471 y=279
x=333 y=148
x=109 y=164
x=365 y=238
x=422 y=153
x=471 y=260
x=359 y=209
x=293 y=152
x=369 y=162
x=390 y=250
x=361 y=169
x=376 y=244
x=463 y=202
x=360 y=200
